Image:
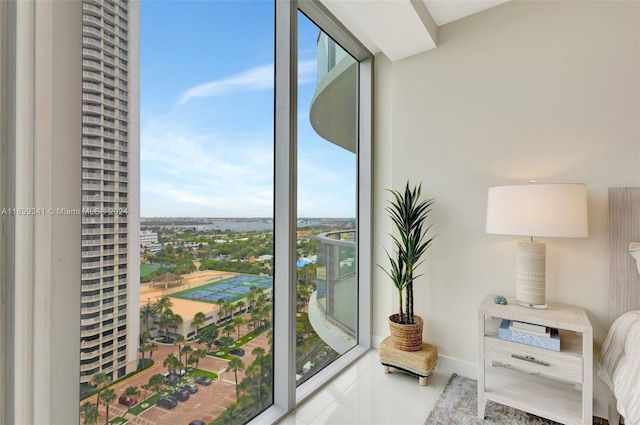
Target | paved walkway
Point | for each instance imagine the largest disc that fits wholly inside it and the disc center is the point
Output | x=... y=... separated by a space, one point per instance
x=207 y=404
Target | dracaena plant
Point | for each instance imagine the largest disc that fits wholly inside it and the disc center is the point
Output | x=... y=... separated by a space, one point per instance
x=409 y=214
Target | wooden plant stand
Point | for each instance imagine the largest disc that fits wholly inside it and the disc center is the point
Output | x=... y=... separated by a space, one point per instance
x=418 y=363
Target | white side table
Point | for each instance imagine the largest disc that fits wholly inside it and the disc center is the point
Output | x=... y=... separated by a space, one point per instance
x=556 y=385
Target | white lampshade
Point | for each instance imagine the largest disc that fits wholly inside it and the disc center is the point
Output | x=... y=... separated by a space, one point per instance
x=550 y=210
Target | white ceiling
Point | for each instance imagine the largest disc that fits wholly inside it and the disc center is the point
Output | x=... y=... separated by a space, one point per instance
x=402 y=28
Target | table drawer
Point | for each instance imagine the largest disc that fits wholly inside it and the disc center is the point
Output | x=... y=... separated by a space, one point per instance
x=534 y=360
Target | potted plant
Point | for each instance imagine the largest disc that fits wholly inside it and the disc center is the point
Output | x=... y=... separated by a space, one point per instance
x=409 y=213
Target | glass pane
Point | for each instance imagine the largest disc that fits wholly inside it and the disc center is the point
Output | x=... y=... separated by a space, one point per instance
x=194 y=329
x=327 y=285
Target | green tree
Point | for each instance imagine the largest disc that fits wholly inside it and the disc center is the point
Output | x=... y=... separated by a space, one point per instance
x=175 y=321
x=146 y=387
x=259 y=352
x=238 y=322
x=198 y=320
x=147 y=313
x=240 y=305
x=89 y=413
x=186 y=350
x=236 y=365
x=208 y=336
x=198 y=354
x=129 y=393
x=172 y=363
x=156 y=382
x=160 y=306
x=108 y=397
x=228 y=310
x=178 y=341
x=228 y=328
x=153 y=347
x=100 y=380
x=220 y=302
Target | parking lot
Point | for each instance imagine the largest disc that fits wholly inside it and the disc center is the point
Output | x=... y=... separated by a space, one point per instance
x=210 y=401
x=207 y=404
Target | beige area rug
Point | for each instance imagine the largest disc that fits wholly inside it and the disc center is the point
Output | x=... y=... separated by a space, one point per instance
x=458 y=405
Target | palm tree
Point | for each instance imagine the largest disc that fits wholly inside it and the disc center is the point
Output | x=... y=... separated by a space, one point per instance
x=228 y=309
x=170 y=362
x=198 y=354
x=144 y=337
x=153 y=347
x=259 y=353
x=143 y=349
x=89 y=413
x=240 y=305
x=220 y=302
x=238 y=322
x=178 y=341
x=146 y=387
x=254 y=317
x=147 y=312
x=108 y=397
x=186 y=350
x=198 y=320
x=176 y=320
x=236 y=365
x=162 y=305
x=251 y=296
x=166 y=320
x=100 y=380
x=129 y=393
x=228 y=328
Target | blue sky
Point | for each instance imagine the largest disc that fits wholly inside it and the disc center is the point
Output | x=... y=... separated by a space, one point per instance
x=207 y=115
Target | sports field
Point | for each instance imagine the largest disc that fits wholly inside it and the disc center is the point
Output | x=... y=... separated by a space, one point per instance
x=231 y=289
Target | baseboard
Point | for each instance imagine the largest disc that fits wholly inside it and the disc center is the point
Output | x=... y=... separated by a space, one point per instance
x=448 y=365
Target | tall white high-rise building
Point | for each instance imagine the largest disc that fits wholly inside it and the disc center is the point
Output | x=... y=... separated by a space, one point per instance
x=110 y=318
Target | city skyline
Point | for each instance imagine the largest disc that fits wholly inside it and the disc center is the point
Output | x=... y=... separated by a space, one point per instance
x=207 y=124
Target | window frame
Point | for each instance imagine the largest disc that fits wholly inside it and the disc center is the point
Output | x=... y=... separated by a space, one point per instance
x=41 y=344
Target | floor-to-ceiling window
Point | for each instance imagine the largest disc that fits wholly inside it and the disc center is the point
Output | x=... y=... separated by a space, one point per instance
x=327 y=169
x=227 y=131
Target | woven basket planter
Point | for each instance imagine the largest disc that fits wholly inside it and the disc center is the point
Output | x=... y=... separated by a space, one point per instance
x=406 y=337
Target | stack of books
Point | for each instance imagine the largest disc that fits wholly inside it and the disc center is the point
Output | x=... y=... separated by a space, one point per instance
x=530 y=334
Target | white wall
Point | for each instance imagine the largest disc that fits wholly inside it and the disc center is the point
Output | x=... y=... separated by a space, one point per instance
x=527 y=90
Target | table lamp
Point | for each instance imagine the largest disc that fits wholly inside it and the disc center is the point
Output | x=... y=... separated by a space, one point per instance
x=536 y=210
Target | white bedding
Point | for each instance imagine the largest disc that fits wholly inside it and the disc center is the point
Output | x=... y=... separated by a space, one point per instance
x=620 y=365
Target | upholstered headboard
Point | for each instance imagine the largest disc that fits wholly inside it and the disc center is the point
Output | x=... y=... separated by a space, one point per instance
x=624 y=228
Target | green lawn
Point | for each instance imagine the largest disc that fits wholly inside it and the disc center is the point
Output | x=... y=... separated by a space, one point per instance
x=223 y=352
x=147 y=269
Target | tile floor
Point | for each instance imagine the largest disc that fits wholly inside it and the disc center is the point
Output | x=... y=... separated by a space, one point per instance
x=363 y=394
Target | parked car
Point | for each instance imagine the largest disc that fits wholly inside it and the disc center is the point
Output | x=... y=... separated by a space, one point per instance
x=197 y=422
x=170 y=378
x=191 y=387
x=238 y=352
x=180 y=395
x=203 y=380
x=167 y=402
x=128 y=401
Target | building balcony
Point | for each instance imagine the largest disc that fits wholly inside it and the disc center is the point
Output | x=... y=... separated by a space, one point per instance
x=333 y=306
x=334 y=111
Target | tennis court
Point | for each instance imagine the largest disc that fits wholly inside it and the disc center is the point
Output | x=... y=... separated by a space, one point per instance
x=231 y=289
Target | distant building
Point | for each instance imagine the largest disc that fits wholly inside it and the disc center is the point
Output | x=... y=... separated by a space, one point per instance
x=110 y=318
x=148 y=237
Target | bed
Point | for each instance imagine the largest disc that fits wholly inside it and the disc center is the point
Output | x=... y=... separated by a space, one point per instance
x=620 y=356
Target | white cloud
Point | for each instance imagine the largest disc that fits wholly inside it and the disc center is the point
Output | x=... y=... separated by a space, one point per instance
x=258 y=78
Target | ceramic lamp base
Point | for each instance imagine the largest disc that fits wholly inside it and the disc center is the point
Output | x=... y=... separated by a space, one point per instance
x=531 y=270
